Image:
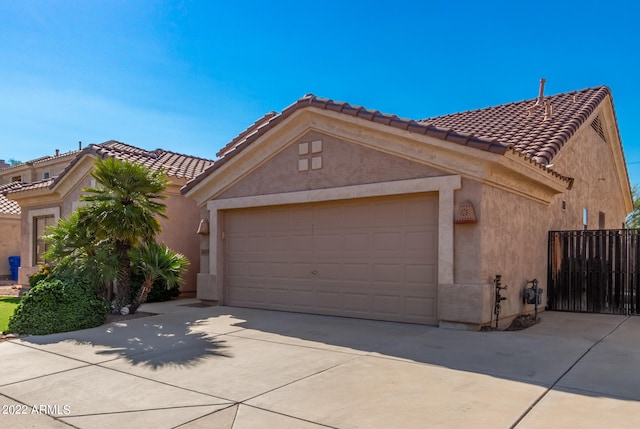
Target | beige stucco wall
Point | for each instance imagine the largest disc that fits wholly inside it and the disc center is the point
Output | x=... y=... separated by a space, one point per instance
x=511 y=236
x=343 y=164
x=596 y=185
x=9 y=241
x=179 y=232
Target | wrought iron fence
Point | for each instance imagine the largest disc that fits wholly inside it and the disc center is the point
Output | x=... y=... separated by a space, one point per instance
x=595 y=271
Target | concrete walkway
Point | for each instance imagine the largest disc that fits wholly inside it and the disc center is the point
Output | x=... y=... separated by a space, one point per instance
x=225 y=367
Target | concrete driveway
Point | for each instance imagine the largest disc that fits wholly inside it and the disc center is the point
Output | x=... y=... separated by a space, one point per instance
x=225 y=367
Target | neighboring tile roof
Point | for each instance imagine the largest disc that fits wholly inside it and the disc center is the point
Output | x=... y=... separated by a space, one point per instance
x=174 y=164
x=8 y=206
x=521 y=127
x=28 y=186
x=41 y=160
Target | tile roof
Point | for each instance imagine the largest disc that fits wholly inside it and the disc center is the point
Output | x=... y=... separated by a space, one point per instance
x=174 y=164
x=28 y=186
x=41 y=160
x=521 y=127
x=8 y=206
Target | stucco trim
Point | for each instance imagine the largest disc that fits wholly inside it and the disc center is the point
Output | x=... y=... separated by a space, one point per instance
x=444 y=185
x=506 y=171
x=617 y=151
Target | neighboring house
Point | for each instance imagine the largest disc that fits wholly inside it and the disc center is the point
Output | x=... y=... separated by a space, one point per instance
x=11 y=177
x=9 y=230
x=42 y=168
x=334 y=209
x=44 y=202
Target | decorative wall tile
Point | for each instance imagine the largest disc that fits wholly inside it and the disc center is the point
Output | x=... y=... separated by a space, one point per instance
x=316 y=162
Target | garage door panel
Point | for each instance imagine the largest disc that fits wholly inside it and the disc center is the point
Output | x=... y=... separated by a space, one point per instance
x=385 y=272
x=328 y=300
x=329 y=271
x=371 y=258
x=388 y=241
x=301 y=270
x=416 y=307
x=421 y=241
x=421 y=273
x=328 y=242
x=387 y=304
x=356 y=271
x=356 y=302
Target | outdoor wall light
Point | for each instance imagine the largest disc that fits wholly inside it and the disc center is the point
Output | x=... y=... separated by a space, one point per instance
x=466 y=213
x=203 y=228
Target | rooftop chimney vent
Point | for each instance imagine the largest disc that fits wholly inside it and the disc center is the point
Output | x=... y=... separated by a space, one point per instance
x=541 y=93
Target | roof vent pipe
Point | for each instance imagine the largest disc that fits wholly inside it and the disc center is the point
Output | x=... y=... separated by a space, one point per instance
x=541 y=93
x=80 y=145
x=548 y=110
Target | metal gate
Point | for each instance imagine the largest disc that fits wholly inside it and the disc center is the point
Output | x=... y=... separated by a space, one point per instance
x=594 y=271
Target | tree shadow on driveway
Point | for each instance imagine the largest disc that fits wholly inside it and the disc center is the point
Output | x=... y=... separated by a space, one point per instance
x=153 y=342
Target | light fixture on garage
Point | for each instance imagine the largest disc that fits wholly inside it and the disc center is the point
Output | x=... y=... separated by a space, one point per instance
x=466 y=213
x=203 y=228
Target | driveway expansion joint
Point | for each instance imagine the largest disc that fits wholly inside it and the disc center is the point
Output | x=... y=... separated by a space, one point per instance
x=556 y=383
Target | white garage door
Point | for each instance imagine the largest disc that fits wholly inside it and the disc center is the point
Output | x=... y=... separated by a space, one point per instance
x=373 y=258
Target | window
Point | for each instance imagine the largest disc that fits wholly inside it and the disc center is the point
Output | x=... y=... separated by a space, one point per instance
x=601 y=222
x=16 y=179
x=46 y=175
x=40 y=224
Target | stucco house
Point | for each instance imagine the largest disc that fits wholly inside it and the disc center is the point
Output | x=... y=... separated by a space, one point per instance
x=12 y=176
x=335 y=209
x=43 y=202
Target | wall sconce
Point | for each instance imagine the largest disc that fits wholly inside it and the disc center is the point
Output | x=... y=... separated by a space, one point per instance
x=203 y=228
x=466 y=213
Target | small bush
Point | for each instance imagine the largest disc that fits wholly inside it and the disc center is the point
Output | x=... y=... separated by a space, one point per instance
x=43 y=273
x=58 y=304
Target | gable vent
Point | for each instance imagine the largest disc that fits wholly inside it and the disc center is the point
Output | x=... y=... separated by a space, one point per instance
x=596 y=124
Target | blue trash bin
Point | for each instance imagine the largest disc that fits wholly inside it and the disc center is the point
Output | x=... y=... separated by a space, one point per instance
x=14 y=264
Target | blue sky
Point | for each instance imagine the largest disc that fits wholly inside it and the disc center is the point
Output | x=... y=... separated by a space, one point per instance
x=188 y=76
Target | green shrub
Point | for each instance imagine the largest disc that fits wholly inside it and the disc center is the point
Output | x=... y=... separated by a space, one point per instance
x=43 y=273
x=58 y=304
x=160 y=292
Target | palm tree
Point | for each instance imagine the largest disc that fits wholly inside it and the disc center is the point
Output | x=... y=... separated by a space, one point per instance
x=74 y=248
x=124 y=209
x=156 y=262
x=633 y=219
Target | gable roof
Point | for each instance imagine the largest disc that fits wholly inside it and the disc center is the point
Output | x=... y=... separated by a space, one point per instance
x=527 y=128
x=175 y=164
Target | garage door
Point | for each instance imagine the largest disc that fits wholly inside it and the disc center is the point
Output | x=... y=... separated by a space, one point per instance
x=373 y=258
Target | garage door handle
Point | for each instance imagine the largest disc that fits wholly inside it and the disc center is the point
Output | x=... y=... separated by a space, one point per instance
x=314 y=272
